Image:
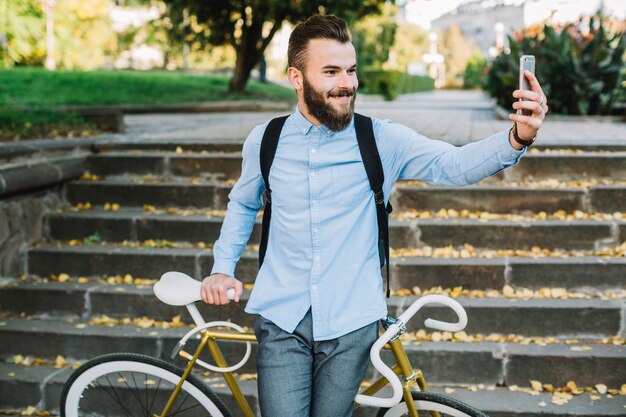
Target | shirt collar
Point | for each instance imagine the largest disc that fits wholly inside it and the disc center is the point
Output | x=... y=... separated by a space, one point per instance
x=304 y=125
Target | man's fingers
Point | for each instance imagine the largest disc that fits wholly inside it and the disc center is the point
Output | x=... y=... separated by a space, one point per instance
x=527 y=120
x=529 y=105
x=534 y=83
x=238 y=291
x=527 y=94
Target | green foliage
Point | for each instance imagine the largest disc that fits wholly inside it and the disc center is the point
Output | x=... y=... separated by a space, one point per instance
x=410 y=43
x=373 y=37
x=392 y=83
x=29 y=96
x=475 y=74
x=249 y=27
x=38 y=87
x=456 y=52
x=22 y=22
x=580 y=73
x=83 y=34
x=94 y=238
x=16 y=124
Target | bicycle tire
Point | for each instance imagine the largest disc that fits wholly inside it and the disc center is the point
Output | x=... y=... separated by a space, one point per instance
x=430 y=401
x=116 y=385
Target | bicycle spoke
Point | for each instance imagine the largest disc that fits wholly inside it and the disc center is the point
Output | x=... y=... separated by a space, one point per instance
x=185 y=409
x=181 y=404
x=154 y=396
x=119 y=401
x=135 y=392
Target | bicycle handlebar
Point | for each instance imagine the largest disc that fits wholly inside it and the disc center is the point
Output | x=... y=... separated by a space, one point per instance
x=393 y=330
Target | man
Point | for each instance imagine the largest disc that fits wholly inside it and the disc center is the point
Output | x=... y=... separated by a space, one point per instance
x=319 y=291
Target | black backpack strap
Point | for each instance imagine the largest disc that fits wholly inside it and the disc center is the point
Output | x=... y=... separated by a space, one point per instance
x=375 y=175
x=269 y=143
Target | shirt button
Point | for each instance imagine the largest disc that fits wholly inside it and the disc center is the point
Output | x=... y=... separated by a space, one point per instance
x=317 y=258
x=313 y=150
x=313 y=173
x=314 y=287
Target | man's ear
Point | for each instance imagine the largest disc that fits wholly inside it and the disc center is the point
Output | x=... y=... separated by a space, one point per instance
x=295 y=77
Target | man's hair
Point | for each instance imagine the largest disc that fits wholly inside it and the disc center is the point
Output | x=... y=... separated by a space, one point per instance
x=315 y=27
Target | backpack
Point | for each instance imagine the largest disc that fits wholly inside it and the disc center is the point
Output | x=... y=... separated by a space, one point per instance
x=373 y=167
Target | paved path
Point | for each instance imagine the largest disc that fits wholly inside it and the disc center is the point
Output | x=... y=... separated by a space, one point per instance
x=451 y=115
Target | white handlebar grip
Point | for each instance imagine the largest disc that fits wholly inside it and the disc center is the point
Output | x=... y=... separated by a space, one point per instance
x=230 y=293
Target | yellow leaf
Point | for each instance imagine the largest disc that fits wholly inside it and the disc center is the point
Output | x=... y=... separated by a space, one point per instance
x=60 y=362
x=179 y=149
x=601 y=388
x=536 y=385
x=82 y=280
x=595 y=397
x=11 y=374
x=449 y=390
x=63 y=277
x=29 y=411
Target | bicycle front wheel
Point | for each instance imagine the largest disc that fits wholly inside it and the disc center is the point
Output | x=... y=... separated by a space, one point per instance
x=427 y=402
x=127 y=385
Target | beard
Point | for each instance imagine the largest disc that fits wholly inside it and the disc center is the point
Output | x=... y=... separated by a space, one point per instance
x=320 y=107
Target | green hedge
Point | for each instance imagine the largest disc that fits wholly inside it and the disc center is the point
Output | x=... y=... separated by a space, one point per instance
x=392 y=83
x=579 y=72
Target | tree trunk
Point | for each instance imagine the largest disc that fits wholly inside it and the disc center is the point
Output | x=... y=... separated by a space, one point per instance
x=249 y=51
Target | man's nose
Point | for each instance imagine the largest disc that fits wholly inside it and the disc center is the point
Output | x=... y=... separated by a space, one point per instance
x=346 y=80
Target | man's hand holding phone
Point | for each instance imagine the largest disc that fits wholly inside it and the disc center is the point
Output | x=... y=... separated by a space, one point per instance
x=531 y=106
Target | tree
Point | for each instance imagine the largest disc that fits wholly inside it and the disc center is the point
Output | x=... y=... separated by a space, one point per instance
x=373 y=38
x=250 y=25
x=82 y=32
x=456 y=51
x=411 y=42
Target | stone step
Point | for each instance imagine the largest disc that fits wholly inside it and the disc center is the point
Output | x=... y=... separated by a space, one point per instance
x=541 y=317
x=228 y=165
x=472 y=273
x=495 y=199
x=42 y=385
x=169 y=145
x=442 y=362
x=137 y=224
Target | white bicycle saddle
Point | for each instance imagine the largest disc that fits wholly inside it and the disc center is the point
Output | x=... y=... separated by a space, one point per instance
x=177 y=289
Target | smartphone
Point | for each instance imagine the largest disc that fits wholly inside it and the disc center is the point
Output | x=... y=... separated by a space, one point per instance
x=526 y=62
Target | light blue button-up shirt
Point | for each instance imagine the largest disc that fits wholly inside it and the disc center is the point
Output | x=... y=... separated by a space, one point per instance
x=322 y=251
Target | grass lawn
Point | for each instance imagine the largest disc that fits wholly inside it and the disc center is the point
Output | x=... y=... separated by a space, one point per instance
x=40 y=91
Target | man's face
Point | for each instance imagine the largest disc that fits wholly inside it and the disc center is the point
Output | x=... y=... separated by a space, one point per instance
x=329 y=83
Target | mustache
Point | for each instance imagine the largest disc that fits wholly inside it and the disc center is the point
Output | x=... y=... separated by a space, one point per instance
x=342 y=93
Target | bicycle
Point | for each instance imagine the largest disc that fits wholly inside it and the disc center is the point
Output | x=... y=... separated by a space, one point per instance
x=129 y=384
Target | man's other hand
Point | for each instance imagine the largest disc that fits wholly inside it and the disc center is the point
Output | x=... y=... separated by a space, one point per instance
x=214 y=288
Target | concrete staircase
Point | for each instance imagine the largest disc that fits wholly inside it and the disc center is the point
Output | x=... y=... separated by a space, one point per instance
x=536 y=251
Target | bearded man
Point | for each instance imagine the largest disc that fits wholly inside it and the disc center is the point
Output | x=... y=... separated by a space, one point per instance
x=319 y=292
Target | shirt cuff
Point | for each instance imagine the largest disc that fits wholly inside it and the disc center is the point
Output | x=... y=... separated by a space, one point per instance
x=223 y=266
x=507 y=154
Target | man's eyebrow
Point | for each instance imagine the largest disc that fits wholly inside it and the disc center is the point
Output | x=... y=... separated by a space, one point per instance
x=336 y=67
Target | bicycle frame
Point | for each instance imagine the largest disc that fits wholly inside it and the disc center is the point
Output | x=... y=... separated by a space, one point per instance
x=209 y=339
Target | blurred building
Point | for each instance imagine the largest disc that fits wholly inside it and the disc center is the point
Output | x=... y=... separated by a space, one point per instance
x=488 y=22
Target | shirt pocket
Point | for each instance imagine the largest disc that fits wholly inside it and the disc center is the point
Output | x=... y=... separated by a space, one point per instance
x=350 y=184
